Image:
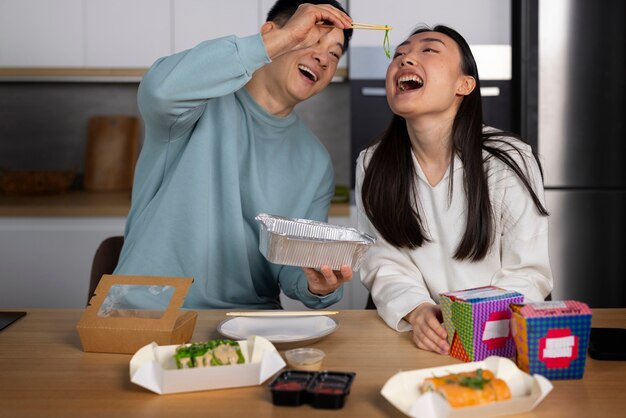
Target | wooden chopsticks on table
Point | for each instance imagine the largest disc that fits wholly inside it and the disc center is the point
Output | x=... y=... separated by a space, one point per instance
x=281 y=313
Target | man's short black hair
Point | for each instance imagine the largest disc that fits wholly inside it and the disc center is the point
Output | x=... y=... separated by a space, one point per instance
x=282 y=11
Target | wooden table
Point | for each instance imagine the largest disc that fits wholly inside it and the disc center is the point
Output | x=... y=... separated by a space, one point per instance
x=45 y=373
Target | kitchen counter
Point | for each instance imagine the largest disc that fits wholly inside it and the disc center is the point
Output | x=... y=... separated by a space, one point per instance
x=81 y=203
x=77 y=203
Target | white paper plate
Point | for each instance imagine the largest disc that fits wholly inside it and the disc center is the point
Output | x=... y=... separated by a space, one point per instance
x=280 y=331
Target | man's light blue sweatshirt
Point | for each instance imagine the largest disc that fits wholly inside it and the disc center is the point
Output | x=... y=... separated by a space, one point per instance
x=212 y=159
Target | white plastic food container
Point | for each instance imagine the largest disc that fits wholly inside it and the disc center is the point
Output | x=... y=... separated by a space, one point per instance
x=402 y=391
x=307 y=243
x=154 y=368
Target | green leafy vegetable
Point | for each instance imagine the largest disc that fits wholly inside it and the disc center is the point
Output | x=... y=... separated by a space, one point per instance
x=474 y=382
x=210 y=353
x=386 y=47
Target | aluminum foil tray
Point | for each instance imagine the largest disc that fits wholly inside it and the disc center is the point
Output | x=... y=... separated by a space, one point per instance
x=307 y=243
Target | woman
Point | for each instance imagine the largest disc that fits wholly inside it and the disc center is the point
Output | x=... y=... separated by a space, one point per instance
x=454 y=204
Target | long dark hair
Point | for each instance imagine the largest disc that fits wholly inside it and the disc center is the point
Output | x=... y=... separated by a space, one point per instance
x=389 y=197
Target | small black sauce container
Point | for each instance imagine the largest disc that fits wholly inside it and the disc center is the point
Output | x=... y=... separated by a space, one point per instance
x=289 y=387
x=327 y=389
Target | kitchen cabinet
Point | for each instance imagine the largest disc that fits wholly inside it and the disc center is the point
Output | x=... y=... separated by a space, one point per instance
x=47 y=244
x=113 y=38
x=195 y=21
x=126 y=33
x=485 y=24
x=65 y=37
x=70 y=34
x=45 y=262
x=35 y=33
x=479 y=21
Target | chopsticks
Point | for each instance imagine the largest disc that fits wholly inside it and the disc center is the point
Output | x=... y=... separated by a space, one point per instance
x=368 y=26
x=281 y=313
x=356 y=25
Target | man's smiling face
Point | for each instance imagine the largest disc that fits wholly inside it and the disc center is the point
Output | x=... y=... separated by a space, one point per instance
x=305 y=72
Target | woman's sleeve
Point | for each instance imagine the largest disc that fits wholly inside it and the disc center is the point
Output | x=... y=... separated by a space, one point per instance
x=524 y=243
x=393 y=279
x=173 y=92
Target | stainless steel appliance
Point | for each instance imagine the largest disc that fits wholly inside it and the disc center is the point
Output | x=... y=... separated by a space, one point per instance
x=569 y=58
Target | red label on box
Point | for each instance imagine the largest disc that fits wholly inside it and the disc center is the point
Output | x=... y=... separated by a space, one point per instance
x=497 y=329
x=558 y=348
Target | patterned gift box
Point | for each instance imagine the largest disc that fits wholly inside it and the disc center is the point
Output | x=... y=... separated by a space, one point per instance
x=478 y=322
x=552 y=338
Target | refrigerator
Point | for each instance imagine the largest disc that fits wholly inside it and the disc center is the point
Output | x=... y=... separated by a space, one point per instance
x=570 y=102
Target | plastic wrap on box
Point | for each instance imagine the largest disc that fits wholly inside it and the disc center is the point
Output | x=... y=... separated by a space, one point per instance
x=307 y=243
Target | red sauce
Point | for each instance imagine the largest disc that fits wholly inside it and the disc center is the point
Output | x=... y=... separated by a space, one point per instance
x=287 y=385
x=327 y=390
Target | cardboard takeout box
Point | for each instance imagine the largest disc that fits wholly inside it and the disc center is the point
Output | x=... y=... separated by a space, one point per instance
x=127 y=330
x=478 y=322
x=154 y=368
x=552 y=338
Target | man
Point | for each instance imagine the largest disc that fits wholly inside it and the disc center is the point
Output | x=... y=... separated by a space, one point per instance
x=223 y=144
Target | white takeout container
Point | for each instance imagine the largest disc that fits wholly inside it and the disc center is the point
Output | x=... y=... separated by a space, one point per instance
x=154 y=368
x=402 y=391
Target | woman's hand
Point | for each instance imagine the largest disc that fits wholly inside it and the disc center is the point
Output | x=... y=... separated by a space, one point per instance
x=428 y=333
x=326 y=280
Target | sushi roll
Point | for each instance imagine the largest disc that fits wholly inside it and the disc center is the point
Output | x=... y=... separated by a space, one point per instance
x=466 y=389
x=207 y=354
